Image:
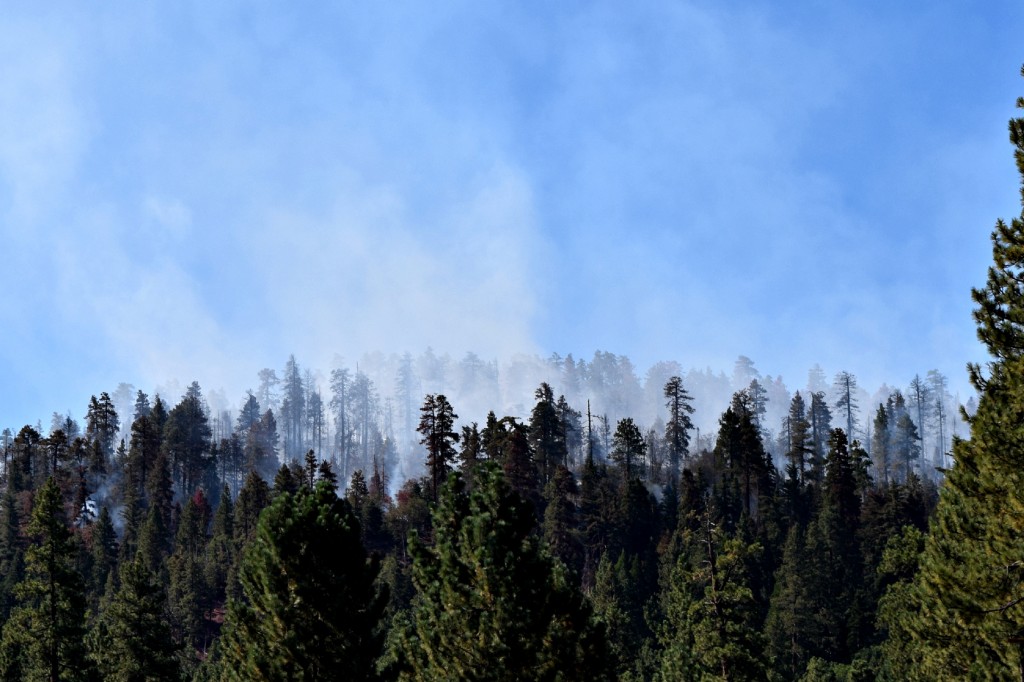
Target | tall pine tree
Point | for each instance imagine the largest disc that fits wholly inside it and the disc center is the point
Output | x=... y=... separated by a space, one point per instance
x=967 y=603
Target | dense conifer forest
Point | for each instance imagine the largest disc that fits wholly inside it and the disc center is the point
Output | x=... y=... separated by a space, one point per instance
x=609 y=529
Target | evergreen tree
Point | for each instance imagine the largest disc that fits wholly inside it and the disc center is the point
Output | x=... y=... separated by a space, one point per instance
x=220 y=550
x=740 y=454
x=967 y=602
x=142 y=456
x=11 y=554
x=572 y=430
x=560 y=519
x=187 y=588
x=104 y=556
x=252 y=499
x=142 y=406
x=821 y=426
x=920 y=399
x=629 y=449
x=472 y=450
x=133 y=639
x=678 y=426
x=619 y=607
x=154 y=543
x=186 y=442
x=101 y=423
x=547 y=436
x=880 y=445
x=437 y=431
x=311 y=609
x=491 y=604
x=832 y=568
x=44 y=637
x=286 y=482
x=799 y=446
x=260 y=448
x=791 y=625
x=846 y=400
x=293 y=410
x=711 y=630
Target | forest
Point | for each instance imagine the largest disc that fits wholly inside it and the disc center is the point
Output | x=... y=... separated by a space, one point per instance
x=578 y=524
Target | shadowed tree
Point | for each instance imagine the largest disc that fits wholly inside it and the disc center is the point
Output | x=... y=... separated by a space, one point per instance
x=966 y=605
x=132 y=641
x=678 y=426
x=45 y=636
x=437 y=431
x=491 y=603
x=310 y=609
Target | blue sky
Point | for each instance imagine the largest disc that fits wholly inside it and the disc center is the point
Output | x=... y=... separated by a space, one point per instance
x=196 y=190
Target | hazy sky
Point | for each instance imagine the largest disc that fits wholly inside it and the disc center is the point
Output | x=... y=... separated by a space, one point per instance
x=196 y=190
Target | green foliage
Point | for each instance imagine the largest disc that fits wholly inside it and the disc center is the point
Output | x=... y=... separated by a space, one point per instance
x=547 y=434
x=44 y=637
x=104 y=555
x=310 y=608
x=560 y=519
x=678 y=426
x=132 y=640
x=491 y=604
x=966 y=606
x=187 y=592
x=791 y=626
x=186 y=441
x=437 y=428
x=618 y=601
x=710 y=630
x=219 y=555
x=628 y=448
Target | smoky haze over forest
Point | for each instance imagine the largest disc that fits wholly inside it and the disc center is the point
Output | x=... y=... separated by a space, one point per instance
x=200 y=190
x=364 y=414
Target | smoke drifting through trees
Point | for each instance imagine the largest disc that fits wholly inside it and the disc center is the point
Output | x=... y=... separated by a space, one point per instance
x=365 y=416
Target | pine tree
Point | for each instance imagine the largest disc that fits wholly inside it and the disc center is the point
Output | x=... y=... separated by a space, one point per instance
x=560 y=519
x=711 y=631
x=629 y=449
x=799 y=446
x=252 y=499
x=220 y=550
x=187 y=588
x=437 y=428
x=547 y=436
x=44 y=638
x=967 y=601
x=821 y=426
x=311 y=609
x=618 y=608
x=186 y=441
x=104 y=555
x=286 y=482
x=472 y=450
x=12 y=557
x=846 y=400
x=831 y=573
x=678 y=426
x=491 y=604
x=142 y=406
x=260 y=448
x=102 y=423
x=791 y=625
x=740 y=453
x=154 y=542
x=133 y=640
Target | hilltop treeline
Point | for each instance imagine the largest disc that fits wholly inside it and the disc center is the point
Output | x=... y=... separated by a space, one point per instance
x=625 y=554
